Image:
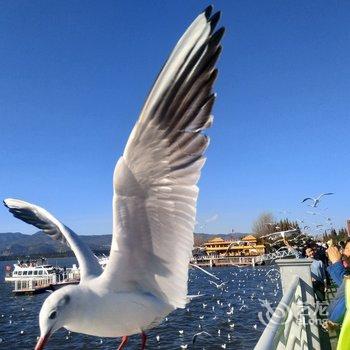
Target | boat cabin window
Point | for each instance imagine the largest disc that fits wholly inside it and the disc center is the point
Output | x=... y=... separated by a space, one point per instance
x=20 y=272
x=40 y=272
x=25 y=273
x=30 y=272
x=35 y=272
x=15 y=272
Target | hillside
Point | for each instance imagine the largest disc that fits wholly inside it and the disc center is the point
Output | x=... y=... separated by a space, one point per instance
x=13 y=244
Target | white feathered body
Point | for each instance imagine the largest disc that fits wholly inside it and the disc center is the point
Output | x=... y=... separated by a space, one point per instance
x=103 y=313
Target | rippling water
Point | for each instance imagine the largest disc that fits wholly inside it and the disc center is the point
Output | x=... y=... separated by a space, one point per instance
x=211 y=312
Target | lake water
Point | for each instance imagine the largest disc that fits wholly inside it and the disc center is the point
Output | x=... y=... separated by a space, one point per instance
x=237 y=329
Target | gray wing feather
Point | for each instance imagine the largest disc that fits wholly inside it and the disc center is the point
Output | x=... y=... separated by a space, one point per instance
x=33 y=217
x=42 y=219
x=306 y=199
x=155 y=182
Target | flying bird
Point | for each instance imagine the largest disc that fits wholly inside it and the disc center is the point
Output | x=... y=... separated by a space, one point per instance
x=218 y=285
x=316 y=200
x=212 y=218
x=154 y=205
x=199 y=334
x=282 y=233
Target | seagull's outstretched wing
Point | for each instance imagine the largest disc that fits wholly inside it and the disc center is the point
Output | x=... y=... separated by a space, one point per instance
x=306 y=199
x=155 y=190
x=42 y=219
x=324 y=194
x=198 y=334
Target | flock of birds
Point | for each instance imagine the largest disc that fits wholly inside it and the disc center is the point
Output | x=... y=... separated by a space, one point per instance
x=305 y=232
x=222 y=314
x=326 y=224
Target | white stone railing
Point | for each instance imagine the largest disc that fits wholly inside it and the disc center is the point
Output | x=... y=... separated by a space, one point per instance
x=273 y=256
x=293 y=325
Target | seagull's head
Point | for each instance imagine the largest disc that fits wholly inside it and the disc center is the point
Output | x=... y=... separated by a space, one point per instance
x=54 y=313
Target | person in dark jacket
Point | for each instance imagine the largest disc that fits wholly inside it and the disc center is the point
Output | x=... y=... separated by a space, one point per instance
x=337 y=271
x=318 y=274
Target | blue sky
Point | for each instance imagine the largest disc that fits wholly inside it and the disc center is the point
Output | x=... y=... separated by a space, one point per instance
x=74 y=76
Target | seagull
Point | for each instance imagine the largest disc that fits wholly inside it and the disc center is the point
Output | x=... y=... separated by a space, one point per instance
x=217 y=285
x=230 y=312
x=282 y=233
x=316 y=200
x=154 y=205
x=198 y=334
x=212 y=218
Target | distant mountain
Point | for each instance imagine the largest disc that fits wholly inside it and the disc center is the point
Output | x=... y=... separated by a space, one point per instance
x=8 y=237
x=13 y=244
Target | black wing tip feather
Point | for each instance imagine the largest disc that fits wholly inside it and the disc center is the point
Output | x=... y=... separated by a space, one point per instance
x=217 y=36
x=14 y=211
x=207 y=11
x=214 y=20
x=214 y=75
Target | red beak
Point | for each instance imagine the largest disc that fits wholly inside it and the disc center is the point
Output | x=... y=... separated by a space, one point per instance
x=42 y=342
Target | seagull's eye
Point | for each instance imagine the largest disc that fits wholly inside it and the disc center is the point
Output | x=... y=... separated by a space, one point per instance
x=53 y=315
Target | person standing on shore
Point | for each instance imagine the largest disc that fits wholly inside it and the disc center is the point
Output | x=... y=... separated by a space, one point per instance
x=318 y=274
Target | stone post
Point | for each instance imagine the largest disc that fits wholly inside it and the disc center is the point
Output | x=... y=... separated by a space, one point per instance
x=292 y=267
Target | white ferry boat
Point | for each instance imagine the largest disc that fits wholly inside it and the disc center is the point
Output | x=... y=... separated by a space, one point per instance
x=33 y=277
x=23 y=271
x=32 y=269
